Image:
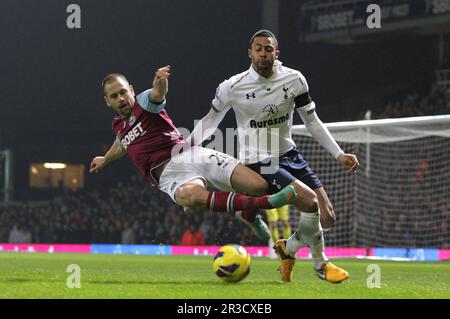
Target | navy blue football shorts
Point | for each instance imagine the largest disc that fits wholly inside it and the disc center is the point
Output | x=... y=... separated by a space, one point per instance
x=291 y=166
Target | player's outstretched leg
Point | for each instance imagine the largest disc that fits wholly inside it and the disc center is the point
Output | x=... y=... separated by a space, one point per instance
x=233 y=202
x=256 y=223
x=287 y=195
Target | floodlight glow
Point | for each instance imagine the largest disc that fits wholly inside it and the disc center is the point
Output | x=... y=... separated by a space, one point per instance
x=55 y=165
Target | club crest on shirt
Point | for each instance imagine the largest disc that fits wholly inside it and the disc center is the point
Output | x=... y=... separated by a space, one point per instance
x=132 y=119
x=285 y=90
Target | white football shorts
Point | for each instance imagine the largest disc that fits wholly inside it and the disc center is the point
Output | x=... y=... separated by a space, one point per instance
x=213 y=167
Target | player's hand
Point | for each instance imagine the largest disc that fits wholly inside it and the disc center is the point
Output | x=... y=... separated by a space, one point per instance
x=160 y=84
x=349 y=161
x=97 y=164
x=162 y=73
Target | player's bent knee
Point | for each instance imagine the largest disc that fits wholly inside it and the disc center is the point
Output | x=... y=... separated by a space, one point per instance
x=190 y=197
x=307 y=200
x=308 y=204
x=181 y=197
x=314 y=205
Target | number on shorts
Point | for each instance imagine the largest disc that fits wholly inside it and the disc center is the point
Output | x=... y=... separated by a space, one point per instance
x=218 y=159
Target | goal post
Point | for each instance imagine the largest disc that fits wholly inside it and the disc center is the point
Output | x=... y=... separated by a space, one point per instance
x=6 y=176
x=400 y=196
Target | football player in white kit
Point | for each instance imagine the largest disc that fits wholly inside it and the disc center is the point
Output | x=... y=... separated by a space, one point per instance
x=264 y=98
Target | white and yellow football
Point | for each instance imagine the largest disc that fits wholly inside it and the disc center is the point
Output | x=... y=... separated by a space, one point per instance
x=232 y=263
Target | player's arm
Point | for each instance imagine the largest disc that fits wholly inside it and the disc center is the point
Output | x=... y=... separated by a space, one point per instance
x=160 y=85
x=205 y=127
x=154 y=99
x=306 y=109
x=208 y=124
x=114 y=153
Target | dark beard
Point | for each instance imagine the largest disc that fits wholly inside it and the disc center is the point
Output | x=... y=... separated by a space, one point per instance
x=265 y=70
x=266 y=67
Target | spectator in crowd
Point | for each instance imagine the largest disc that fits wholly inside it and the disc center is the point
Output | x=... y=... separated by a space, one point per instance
x=198 y=238
x=128 y=234
x=188 y=237
x=19 y=234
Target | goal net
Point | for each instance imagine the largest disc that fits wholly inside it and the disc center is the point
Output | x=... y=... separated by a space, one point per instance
x=400 y=196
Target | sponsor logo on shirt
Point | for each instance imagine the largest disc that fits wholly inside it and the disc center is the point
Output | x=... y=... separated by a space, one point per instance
x=265 y=123
x=132 y=135
x=272 y=113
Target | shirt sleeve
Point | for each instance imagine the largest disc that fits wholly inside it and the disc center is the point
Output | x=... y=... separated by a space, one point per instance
x=220 y=105
x=221 y=100
x=206 y=126
x=303 y=101
x=146 y=103
x=320 y=132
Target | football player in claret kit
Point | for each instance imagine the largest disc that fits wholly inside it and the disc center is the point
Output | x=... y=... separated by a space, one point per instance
x=263 y=99
x=146 y=133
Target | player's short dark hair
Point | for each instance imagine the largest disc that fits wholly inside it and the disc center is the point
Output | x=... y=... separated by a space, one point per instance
x=263 y=33
x=111 y=78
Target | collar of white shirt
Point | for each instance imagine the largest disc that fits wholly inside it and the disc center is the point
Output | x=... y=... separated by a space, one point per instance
x=255 y=76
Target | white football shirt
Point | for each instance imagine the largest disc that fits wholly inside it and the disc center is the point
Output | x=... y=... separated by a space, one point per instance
x=264 y=109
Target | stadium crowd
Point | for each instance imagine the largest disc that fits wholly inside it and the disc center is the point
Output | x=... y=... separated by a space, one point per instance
x=435 y=103
x=128 y=213
x=134 y=213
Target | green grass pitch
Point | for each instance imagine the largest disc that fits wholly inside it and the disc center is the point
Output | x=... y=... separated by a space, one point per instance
x=32 y=275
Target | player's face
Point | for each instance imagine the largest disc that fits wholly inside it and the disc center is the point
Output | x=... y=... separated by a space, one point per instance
x=263 y=53
x=120 y=96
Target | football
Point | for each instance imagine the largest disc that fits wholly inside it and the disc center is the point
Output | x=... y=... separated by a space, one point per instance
x=232 y=263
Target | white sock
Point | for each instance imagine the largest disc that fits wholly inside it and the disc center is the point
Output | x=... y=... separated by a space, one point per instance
x=311 y=231
x=294 y=243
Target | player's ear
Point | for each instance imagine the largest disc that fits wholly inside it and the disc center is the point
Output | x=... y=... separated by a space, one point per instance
x=250 y=53
x=277 y=54
x=106 y=100
x=131 y=89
